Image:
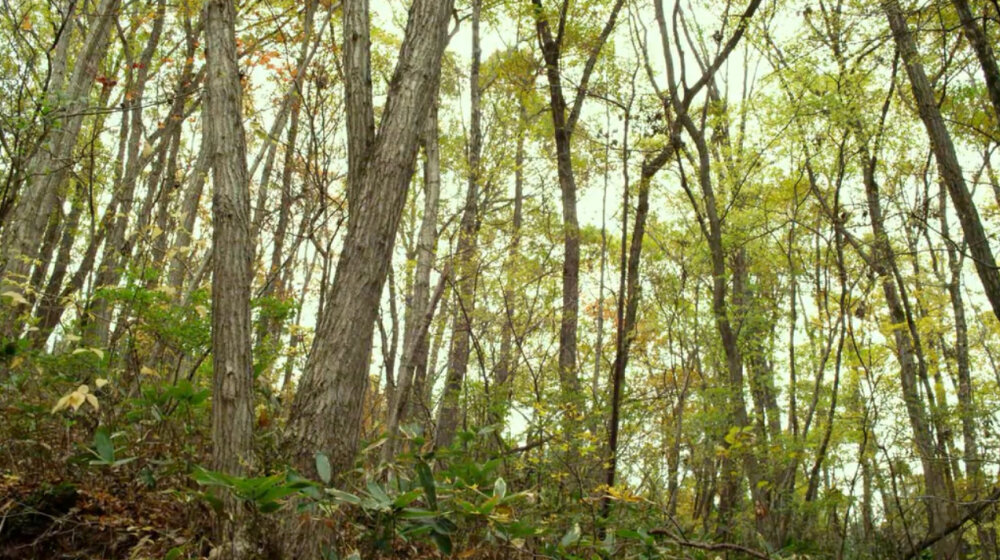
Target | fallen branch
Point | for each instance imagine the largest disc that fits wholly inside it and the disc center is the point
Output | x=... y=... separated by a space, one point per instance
x=710 y=547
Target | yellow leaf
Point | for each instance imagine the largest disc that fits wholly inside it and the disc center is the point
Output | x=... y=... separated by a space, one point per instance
x=76 y=399
x=97 y=351
x=83 y=389
x=167 y=290
x=100 y=382
x=15 y=297
x=26 y=23
x=60 y=404
x=93 y=401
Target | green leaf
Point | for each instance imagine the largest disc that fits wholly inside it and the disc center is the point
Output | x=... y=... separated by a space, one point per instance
x=211 y=478
x=323 y=468
x=443 y=543
x=275 y=494
x=379 y=495
x=427 y=481
x=269 y=507
x=342 y=496
x=489 y=505
x=102 y=443
x=444 y=526
x=417 y=513
x=406 y=498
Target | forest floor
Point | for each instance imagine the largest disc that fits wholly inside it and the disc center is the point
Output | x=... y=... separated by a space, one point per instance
x=115 y=517
x=100 y=517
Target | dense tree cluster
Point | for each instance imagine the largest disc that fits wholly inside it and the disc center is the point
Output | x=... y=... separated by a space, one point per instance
x=499 y=278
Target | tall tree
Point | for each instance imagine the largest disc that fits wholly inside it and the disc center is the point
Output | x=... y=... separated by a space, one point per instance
x=564 y=120
x=232 y=265
x=325 y=415
x=53 y=161
x=466 y=259
x=944 y=154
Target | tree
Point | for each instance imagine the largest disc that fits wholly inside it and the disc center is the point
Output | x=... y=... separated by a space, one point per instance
x=944 y=154
x=232 y=242
x=49 y=167
x=563 y=126
x=326 y=413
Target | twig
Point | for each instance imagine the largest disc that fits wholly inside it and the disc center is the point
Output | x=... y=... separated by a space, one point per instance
x=954 y=526
x=711 y=547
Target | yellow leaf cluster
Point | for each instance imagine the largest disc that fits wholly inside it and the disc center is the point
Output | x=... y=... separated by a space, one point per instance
x=79 y=396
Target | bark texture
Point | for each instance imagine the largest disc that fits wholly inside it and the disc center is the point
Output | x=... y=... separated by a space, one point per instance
x=232 y=250
x=52 y=161
x=328 y=406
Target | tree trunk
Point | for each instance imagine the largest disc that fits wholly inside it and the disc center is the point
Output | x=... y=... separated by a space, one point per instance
x=966 y=404
x=181 y=263
x=51 y=163
x=328 y=406
x=466 y=259
x=117 y=247
x=564 y=121
x=883 y=261
x=416 y=342
x=980 y=44
x=232 y=273
x=269 y=329
x=944 y=153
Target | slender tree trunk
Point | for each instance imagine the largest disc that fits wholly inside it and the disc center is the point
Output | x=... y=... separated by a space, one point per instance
x=290 y=103
x=233 y=253
x=51 y=163
x=140 y=151
x=980 y=43
x=50 y=297
x=181 y=263
x=413 y=367
x=966 y=405
x=505 y=367
x=269 y=329
x=466 y=259
x=935 y=479
x=564 y=119
x=944 y=153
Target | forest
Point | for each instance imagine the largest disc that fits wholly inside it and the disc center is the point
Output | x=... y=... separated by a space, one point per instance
x=499 y=279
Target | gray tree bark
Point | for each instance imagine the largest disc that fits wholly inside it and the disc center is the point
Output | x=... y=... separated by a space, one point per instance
x=51 y=163
x=416 y=341
x=980 y=44
x=233 y=253
x=326 y=413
